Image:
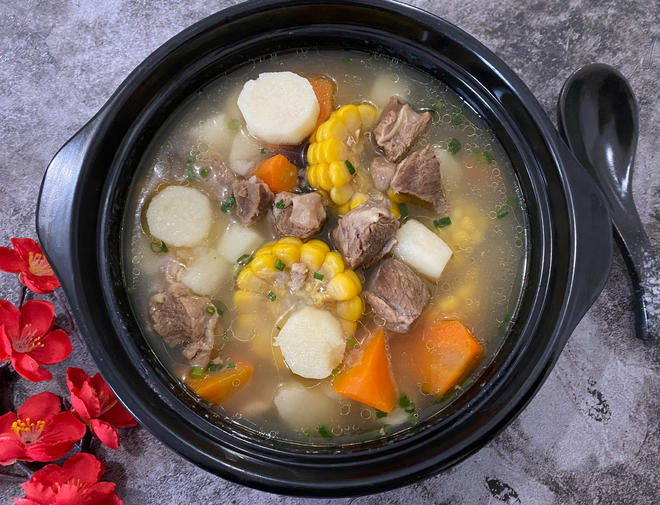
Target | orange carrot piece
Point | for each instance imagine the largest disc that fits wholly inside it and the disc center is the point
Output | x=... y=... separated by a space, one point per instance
x=324 y=89
x=447 y=353
x=278 y=173
x=216 y=387
x=370 y=380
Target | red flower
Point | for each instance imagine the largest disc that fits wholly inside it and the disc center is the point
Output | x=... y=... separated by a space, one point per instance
x=40 y=431
x=26 y=339
x=76 y=482
x=28 y=261
x=95 y=402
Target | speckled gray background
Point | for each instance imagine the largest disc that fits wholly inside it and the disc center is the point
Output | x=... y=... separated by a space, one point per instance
x=592 y=435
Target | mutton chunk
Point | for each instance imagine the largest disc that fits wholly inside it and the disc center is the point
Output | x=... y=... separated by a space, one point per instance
x=298 y=215
x=396 y=293
x=419 y=175
x=382 y=172
x=219 y=180
x=181 y=319
x=398 y=128
x=253 y=199
x=366 y=233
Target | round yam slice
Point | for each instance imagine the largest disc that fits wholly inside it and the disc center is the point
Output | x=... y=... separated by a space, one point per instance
x=179 y=216
x=279 y=107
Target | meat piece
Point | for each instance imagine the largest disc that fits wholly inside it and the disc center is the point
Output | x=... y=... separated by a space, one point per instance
x=298 y=215
x=181 y=319
x=419 y=175
x=382 y=172
x=398 y=128
x=396 y=294
x=298 y=276
x=366 y=233
x=219 y=179
x=253 y=199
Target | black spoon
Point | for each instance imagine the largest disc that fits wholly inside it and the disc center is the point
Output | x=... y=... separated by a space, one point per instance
x=598 y=118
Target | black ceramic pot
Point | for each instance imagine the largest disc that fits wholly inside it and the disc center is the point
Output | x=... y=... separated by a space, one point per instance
x=85 y=188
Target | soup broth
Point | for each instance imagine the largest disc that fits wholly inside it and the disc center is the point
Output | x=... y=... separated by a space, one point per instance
x=482 y=222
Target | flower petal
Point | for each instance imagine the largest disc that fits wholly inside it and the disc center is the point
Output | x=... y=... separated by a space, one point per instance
x=11 y=449
x=91 y=398
x=99 y=492
x=41 y=407
x=85 y=467
x=57 y=347
x=113 y=499
x=10 y=261
x=28 y=368
x=64 y=427
x=25 y=246
x=44 y=451
x=37 y=317
x=27 y=501
x=40 y=284
x=9 y=317
x=106 y=433
x=6 y=420
x=119 y=417
x=38 y=489
x=6 y=350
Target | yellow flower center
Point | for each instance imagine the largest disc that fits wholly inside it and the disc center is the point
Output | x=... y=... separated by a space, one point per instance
x=27 y=340
x=38 y=265
x=27 y=430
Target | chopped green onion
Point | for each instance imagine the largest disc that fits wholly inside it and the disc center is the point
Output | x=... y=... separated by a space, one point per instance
x=262 y=151
x=210 y=309
x=502 y=211
x=306 y=433
x=234 y=124
x=227 y=204
x=214 y=367
x=231 y=364
x=279 y=264
x=196 y=372
x=190 y=174
x=318 y=276
x=489 y=157
x=380 y=414
x=454 y=146
x=403 y=208
x=278 y=327
x=280 y=205
x=271 y=296
x=226 y=339
x=131 y=289
x=324 y=432
x=446 y=397
x=335 y=371
x=203 y=172
x=406 y=404
x=437 y=105
x=349 y=165
x=220 y=307
x=159 y=247
x=504 y=324
x=345 y=59
x=457 y=116
x=244 y=259
x=351 y=342
x=442 y=222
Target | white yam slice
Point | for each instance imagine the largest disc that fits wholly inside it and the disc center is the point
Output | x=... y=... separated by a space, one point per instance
x=421 y=249
x=238 y=240
x=279 y=107
x=386 y=85
x=312 y=343
x=243 y=155
x=214 y=132
x=179 y=216
x=303 y=408
x=450 y=167
x=206 y=274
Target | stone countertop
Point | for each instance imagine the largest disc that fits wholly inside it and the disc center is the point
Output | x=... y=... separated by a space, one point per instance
x=591 y=435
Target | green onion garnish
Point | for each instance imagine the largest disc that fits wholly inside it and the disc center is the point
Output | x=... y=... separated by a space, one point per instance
x=231 y=364
x=190 y=174
x=345 y=59
x=324 y=432
x=234 y=124
x=454 y=146
x=279 y=264
x=262 y=151
x=406 y=404
x=159 y=247
x=306 y=433
x=349 y=165
x=351 y=342
x=203 y=172
x=488 y=157
x=226 y=339
x=380 y=414
x=210 y=309
x=278 y=327
x=318 y=276
x=244 y=259
x=335 y=371
x=196 y=372
x=214 y=367
x=280 y=205
x=505 y=322
x=442 y=222
x=131 y=289
x=271 y=296
x=403 y=208
x=502 y=211
x=437 y=105
x=227 y=204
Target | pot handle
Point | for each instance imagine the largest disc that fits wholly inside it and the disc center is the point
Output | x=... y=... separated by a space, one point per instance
x=593 y=240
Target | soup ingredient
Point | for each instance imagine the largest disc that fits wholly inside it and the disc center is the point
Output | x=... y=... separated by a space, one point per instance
x=206 y=273
x=419 y=175
x=399 y=127
x=366 y=233
x=446 y=354
x=422 y=249
x=298 y=215
x=242 y=155
x=370 y=381
x=215 y=387
x=324 y=89
x=450 y=166
x=312 y=342
x=299 y=273
x=279 y=173
x=179 y=216
x=279 y=107
x=214 y=132
x=253 y=199
x=382 y=172
x=385 y=85
x=302 y=407
x=396 y=294
x=219 y=179
x=181 y=318
x=237 y=240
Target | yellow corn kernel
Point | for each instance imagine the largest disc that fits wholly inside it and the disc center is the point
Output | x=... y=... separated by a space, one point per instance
x=320 y=244
x=339 y=174
x=349 y=327
x=350 y=309
x=350 y=116
x=290 y=240
x=343 y=209
x=312 y=176
x=287 y=253
x=247 y=301
x=447 y=303
x=312 y=255
x=368 y=115
x=329 y=150
x=398 y=197
x=263 y=266
x=265 y=250
x=332 y=265
x=343 y=286
x=248 y=281
x=394 y=209
x=358 y=198
x=341 y=195
x=324 y=177
x=332 y=128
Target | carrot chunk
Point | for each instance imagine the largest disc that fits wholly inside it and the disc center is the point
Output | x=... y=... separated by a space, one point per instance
x=324 y=89
x=278 y=173
x=446 y=354
x=216 y=387
x=370 y=380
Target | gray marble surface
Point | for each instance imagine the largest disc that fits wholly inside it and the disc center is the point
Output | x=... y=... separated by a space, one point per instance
x=591 y=435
